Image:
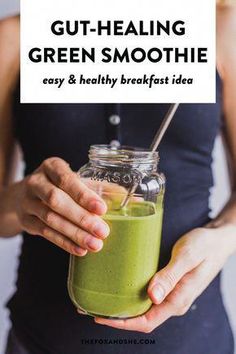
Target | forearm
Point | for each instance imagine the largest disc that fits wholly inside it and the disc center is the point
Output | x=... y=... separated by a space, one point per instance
x=9 y=199
x=225 y=223
x=9 y=70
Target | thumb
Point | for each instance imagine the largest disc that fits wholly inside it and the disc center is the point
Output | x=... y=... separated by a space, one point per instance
x=166 y=279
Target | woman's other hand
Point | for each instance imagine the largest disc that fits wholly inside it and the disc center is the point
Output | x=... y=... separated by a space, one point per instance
x=197 y=258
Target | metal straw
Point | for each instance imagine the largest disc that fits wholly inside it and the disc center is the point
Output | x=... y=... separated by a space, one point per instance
x=164 y=125
x=154 y=145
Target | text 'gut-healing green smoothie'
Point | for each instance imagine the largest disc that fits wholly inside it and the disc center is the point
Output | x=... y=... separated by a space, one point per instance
x=113 y=282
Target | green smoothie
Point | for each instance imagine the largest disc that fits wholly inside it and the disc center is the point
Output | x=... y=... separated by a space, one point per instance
x=113 y=282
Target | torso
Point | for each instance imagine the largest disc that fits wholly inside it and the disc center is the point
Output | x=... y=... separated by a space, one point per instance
x=49 y=321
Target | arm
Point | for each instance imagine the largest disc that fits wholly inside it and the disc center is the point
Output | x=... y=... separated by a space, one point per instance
x=199 y=255
x=9 y=69
x=227 y=67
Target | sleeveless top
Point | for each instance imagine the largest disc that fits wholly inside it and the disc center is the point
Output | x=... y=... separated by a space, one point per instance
x=41 y=312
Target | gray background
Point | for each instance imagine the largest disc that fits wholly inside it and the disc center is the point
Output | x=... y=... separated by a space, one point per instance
x=9 y=7
x=9 y=251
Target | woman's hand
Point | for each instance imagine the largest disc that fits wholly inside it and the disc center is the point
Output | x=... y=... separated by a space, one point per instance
x=55 y=204
x=196 y=259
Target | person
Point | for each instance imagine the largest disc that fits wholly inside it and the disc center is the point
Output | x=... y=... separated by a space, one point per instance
x=58 y=215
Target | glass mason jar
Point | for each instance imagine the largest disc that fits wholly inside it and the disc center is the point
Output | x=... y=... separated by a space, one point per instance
x=113 y=282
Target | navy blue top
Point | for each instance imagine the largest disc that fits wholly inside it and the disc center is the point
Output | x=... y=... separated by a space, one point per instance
x=41 y=311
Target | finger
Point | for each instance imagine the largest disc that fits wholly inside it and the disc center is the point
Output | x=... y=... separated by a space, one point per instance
x=35 y=226
x=63 y=226
x=145 y=323
x=57 y=200
x=104 y=186
x=134 y=324
x=189 y=288
x=166 y=279
x=59 y=172
x=81 y=312
x=110 y=191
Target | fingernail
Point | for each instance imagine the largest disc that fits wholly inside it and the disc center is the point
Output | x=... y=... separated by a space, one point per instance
x=80 y=251
x=81 y=312
x=98 y=207
x=158 y=293
x=94 y=244
x=101 y=229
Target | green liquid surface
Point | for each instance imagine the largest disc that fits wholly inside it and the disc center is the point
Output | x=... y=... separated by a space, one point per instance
x=113 y=282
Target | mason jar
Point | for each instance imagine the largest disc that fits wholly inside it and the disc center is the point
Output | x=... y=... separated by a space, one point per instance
x=113 y=282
